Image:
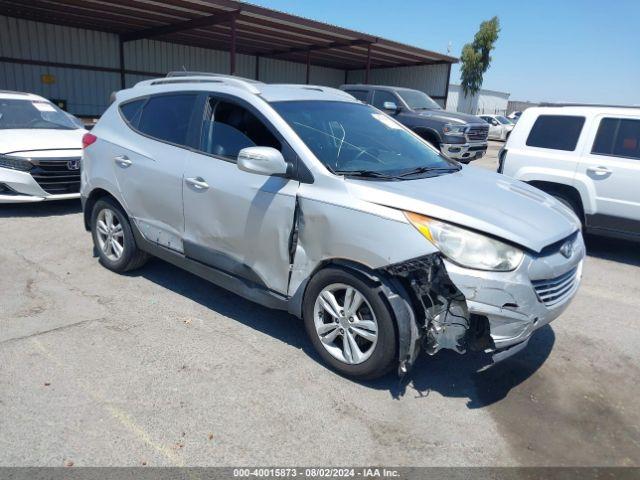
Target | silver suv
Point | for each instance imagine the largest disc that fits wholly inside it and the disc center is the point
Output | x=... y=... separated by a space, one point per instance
x=303 y=199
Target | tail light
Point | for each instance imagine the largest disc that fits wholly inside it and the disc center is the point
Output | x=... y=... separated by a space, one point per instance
x=502 y=155
x=88 y=139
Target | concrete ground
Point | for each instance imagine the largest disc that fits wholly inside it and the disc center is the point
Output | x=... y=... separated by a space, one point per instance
x=160 y=368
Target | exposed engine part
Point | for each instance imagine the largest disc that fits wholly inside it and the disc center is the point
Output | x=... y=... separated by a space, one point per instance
x=445 y=316
x=448 y=326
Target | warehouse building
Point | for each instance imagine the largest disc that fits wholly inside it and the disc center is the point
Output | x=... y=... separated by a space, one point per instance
x=77 y=52
x=485 y=101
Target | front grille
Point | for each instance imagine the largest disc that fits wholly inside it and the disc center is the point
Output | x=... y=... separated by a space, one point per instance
x=55 y=175
x=554 y=291
x=477 y=133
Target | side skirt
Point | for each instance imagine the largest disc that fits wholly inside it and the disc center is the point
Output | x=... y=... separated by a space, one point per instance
x=616 y=227
x=239 y=286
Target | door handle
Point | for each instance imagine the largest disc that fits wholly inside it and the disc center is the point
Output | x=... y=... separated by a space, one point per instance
x=197 y=183
x=600 y=171
x=123 y=161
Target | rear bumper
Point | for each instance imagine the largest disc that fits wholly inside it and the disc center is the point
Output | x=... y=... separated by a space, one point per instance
x=464 y=151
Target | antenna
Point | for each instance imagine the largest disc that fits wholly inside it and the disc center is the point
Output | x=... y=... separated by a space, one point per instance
x=449 y=47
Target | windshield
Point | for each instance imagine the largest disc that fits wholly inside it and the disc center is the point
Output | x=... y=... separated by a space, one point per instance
x=33 y=114
x=354 y=138
x=418 y=100
x=503 y=120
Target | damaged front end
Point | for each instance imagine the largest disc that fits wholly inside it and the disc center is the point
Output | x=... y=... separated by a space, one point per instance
x=440 y=311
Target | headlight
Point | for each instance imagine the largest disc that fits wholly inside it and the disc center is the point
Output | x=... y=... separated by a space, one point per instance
x=467 y=248
x=15 y=163
x=450 y=129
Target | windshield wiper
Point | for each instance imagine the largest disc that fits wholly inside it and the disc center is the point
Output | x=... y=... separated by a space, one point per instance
x=419 y=170
x=365 y=173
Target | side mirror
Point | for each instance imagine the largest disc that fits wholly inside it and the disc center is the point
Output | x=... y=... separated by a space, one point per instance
x=262 y=160
x=390 y=106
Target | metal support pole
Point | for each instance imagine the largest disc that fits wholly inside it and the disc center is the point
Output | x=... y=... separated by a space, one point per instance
x=446 y=90
x=308 y=65
x=232 y=51
x=366 y=72
x=121 y=52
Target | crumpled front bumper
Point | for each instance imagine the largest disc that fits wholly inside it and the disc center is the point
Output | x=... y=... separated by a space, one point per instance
x=509 y=300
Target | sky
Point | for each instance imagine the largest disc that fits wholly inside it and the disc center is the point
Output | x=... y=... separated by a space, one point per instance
x=548 y=50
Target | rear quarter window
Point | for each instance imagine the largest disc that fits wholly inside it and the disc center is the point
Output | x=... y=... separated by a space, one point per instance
x=556 y=132
x=131 y=111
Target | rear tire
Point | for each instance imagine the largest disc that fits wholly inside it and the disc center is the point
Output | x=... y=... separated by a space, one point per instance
x=113 y=238
x=368 y=329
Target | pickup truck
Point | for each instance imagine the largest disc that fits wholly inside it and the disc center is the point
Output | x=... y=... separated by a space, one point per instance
x=459 y=136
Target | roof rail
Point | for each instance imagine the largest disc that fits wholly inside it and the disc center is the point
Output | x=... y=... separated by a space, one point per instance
x=180 y=73
x=196 y=77
x=563 y=104
x=320 y=88
x=13 y=92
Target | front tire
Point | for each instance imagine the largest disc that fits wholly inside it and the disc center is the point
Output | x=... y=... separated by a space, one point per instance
x=571 y=204
x=113 y=238
x=349 y=324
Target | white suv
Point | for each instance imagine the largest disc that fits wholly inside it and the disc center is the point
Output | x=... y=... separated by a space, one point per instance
x=588 y=157
x=40 y=150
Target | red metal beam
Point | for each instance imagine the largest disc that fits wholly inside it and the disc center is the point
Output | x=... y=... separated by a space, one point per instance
x=368 y=66
x=232 y=50
x=182 y=26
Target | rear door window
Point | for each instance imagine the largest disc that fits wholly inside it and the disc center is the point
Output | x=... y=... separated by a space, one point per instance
x=619 y=137
x=167 y=117
x=557 y=132
x=381 y=96
x=228 y=128
x=361 y=95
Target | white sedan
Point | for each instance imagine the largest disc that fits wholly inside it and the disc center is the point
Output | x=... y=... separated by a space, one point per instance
x=499 y=126
x=40 y=150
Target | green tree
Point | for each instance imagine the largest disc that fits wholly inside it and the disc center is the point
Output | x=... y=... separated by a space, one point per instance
x=476 y=56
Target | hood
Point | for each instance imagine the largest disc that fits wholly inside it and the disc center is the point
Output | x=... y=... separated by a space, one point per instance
x=24 y=140
x=451 y=117
x=480 y=200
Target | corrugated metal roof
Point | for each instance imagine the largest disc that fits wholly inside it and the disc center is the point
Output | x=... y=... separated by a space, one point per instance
x=208 y=23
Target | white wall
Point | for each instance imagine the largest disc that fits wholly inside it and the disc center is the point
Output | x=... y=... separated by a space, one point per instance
x=485 y=101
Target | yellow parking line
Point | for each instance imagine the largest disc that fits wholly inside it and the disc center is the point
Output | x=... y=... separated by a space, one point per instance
x=121 y=416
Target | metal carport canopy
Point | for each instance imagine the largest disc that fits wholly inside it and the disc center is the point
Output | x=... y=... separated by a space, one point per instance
x=228 y=25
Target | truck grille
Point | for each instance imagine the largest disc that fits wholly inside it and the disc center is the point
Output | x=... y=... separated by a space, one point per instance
x=554 y=291
x=477 y=133
x=57 y=175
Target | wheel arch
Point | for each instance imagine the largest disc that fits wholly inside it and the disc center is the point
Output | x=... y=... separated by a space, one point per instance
x=429 y=134
x=568 y=191
x=393 y=294
x=95 y=195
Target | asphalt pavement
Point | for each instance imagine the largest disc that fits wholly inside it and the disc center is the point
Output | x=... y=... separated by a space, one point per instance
x=158 y=367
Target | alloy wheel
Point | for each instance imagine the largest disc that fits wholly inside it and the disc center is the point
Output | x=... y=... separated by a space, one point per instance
x=345 y=323
x=110 y=234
